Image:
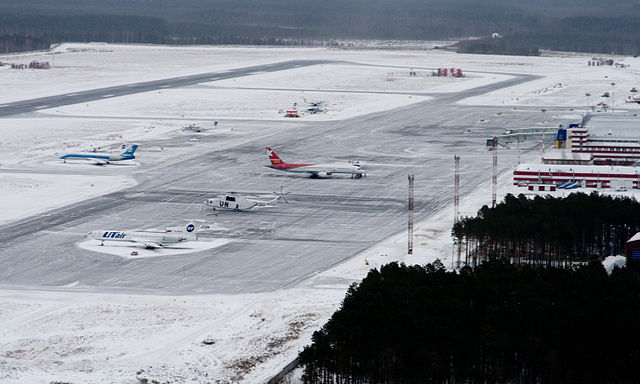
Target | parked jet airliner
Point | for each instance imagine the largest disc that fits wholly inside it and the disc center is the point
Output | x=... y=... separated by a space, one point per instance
x=100 y=158
x=315 y=170
x=150 y=240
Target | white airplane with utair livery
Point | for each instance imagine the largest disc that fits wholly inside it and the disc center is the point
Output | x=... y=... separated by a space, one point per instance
x=315 y=170
x=102 y=158
x=150 y=240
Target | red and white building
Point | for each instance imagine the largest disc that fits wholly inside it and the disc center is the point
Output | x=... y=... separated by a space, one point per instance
x=606 y=148
x=594 y=158
x=587 y=176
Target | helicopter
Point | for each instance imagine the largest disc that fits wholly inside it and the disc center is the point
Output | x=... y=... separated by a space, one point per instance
x=235 y=201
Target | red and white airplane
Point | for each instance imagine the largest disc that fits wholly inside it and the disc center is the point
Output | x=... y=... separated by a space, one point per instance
x=315 y=170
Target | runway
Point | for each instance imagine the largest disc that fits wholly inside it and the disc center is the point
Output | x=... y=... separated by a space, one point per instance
x=325 y=222
x=26 y=106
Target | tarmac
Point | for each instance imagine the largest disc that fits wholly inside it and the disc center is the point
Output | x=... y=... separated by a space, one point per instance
x=326 y=221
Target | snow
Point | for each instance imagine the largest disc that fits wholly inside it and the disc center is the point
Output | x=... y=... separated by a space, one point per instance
x=91 y=337
x=378 y=78
x=27 y=194
x=635 y=237
x=611 y=262
x=213 y=104
x=79 y=337
x=124 y=249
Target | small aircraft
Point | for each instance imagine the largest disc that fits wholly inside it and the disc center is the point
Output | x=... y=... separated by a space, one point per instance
x=314 y=110
x=236 y=202
x=315 y=106
x=150 y=240
x=193 y=128
x=314 y=103
x=315 y=170
x=633 y=99
x=101 y=159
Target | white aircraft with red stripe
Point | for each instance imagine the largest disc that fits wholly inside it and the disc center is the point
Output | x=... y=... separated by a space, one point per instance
x=315 y=170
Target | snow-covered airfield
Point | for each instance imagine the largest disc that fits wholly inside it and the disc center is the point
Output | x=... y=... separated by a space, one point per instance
x=260 y=282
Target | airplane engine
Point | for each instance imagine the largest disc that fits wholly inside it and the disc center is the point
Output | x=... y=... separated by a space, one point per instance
x=173 y=238
x=320 y=175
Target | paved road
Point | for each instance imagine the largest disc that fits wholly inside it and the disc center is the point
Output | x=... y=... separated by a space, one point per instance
x=326 y=222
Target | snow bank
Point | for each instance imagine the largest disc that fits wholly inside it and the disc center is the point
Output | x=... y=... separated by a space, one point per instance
x=611 y=262
x=27 y=194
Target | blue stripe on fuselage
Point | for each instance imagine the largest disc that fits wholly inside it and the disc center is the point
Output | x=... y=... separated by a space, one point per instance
x=71 y=155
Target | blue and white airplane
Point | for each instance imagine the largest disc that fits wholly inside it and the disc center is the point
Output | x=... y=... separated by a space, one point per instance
x=150 y=240
x=101 y=159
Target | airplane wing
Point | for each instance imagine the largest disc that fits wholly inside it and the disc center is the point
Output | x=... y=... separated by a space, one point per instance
x=152 y=245
x=93 y=160
x=149 y=244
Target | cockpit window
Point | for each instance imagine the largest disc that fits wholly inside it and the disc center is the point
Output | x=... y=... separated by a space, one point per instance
x=231 y=198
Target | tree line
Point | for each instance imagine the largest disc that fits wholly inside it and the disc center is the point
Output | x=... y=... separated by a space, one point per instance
x=497 y=323
x=527 y=27
x=548 y=230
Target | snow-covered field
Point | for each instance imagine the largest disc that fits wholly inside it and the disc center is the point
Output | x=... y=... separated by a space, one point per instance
x=110 y=337
x=27 y=194
x=213 y=104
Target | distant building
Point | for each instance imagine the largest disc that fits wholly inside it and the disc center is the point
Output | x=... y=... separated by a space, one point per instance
x=607 y=148
x=566 y=156
x=587 y=176
x=633 y=248
x=605 y=155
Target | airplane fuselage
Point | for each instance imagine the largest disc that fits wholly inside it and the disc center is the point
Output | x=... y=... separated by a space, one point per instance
x=320 y=170
x=238 y=204
x=149 y=239
x=315 y=170
x=102 y=158
x=71 y=156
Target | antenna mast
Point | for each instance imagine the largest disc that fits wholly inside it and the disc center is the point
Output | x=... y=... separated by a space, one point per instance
x=494 y=176
x=456 y=203
x=410 y=224
x=456 y=190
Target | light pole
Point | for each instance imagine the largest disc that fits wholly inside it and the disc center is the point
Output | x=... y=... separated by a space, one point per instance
x=613 y=97
x=544 y=124
x=588 y=100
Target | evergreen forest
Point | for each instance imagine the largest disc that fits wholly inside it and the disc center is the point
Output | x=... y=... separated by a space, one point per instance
x=497 y=323
x=548 y=230
x=596 y=26
x=532 y=304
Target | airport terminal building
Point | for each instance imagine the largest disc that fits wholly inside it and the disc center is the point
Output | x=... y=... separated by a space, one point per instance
x=601 y=153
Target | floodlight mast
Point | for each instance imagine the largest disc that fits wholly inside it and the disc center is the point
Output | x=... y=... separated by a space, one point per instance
x=410 y=221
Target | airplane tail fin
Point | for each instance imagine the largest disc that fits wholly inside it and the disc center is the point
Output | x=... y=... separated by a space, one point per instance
x=275 y=159
x=189 y=230
x=130 y=150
